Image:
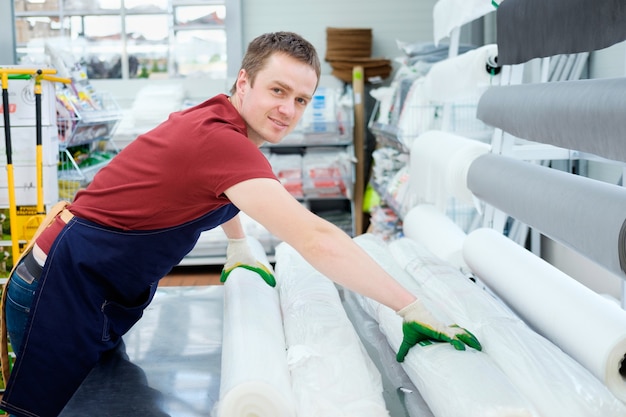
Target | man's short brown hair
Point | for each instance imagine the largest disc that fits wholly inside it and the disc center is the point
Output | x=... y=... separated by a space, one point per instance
x=288 y=43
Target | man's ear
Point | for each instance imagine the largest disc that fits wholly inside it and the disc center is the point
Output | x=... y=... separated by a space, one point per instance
x=242 y=81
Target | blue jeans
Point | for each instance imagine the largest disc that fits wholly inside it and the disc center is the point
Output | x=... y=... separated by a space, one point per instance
x=20 y=294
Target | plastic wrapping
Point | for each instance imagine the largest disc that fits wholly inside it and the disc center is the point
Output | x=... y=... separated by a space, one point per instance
x=438 y=232
x=255 y=379
x=399 y=385
x=587 y=326
x=440 y=162
x=453 y=383
x=556 y=384
x=331 y=373
x=451 y=14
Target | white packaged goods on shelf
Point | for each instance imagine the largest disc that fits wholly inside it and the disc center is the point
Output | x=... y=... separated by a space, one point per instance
x=327 y=173
x=331 y=373
x=551 y=380
x=559 y=307
x=453 y=383
x=254 y=377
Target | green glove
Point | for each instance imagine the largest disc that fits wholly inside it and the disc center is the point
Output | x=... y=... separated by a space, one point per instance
x=419 y=326
x=238 y=255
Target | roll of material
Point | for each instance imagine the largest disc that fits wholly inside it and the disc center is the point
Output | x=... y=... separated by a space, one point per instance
x=451 y=14
x=255 y=379
x=583 y=214
x=530 y=29
x=462 y=77
x=588 y=327
x=331 y=372
x=550 y=379
x=437 y=232
x=583 y=115
x=439 y=165
x=453 y=383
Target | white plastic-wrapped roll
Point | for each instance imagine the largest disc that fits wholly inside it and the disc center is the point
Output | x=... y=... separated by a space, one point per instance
x=590 y=328
x=439 y=233
x=439 y=166
x=331 y=372
x=452 y=14
x=556 y=384
x=453 y=383
x=463 y=76
x=254 y=378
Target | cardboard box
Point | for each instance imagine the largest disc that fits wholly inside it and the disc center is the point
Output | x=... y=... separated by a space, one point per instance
x=24 y=145
x=22 y=31
x=19 y=6
x=22 y=102
x=40 y=6
x=26 y=185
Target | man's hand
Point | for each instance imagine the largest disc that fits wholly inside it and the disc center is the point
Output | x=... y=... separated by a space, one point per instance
x=238 y=255
x=419 y=325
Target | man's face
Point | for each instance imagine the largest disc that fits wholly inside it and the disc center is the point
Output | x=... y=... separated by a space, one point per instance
x=274 y=105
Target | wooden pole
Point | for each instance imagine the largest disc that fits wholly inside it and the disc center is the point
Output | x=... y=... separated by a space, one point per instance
x=358 y=88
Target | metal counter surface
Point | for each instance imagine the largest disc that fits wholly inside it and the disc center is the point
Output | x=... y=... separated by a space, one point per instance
x=169 y=364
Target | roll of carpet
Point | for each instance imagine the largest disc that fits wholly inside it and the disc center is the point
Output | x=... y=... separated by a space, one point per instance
x=453 y=383
x=331 y=372
x=530 y=29
x=587 y=326
x=550 y=379
x=583 y=214
x=583 y=115
x=438 y=232
x=255 y=379
x=439 y=165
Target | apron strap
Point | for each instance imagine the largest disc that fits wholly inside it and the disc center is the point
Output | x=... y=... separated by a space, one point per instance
x=58 y=208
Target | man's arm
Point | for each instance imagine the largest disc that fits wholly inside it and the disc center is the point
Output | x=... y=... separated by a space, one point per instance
x=333 y=253
x=325 y=246
x=233 y=228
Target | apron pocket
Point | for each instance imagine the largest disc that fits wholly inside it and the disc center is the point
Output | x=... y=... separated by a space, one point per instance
x=118 y=318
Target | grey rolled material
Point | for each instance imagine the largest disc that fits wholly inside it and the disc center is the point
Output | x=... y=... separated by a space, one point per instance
x=582 y=115
x=530 y=29
x=583 y=214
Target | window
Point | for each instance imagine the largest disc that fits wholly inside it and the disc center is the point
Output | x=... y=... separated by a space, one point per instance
x=130 y=38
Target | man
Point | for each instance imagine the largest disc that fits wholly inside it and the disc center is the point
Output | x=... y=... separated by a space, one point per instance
x=93 y=271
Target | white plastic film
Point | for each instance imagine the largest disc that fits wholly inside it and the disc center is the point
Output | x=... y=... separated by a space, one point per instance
x=438 y=232
x=584 y=324
x=331 y=372
x=439 y=165
x=453 y=383
x=556 y=384
x=254 y=378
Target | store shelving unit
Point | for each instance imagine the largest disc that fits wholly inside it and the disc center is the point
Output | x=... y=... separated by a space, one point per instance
x=85 y=140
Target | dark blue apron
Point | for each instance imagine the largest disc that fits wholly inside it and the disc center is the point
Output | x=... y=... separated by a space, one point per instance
x=95 y=285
